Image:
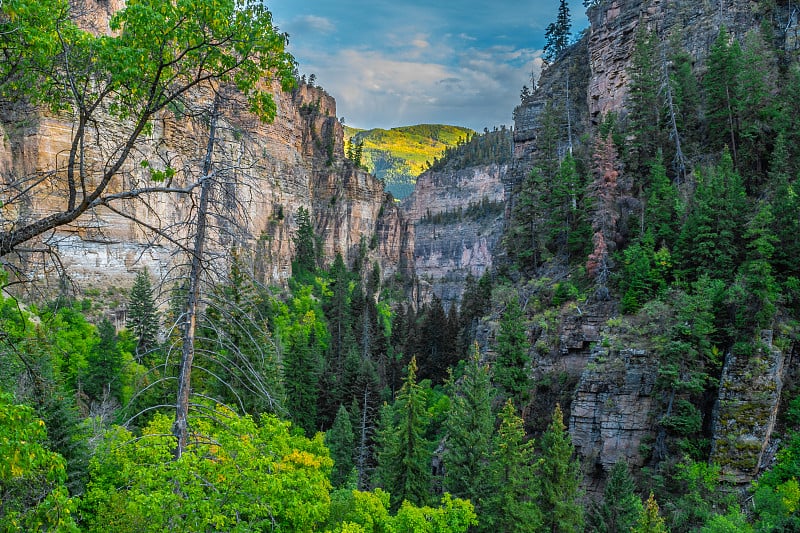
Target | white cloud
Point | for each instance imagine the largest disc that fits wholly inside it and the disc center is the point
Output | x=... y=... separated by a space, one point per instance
x=374 y=89
x=312 y=23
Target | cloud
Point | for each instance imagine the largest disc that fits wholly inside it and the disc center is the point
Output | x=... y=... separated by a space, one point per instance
x=375 y=89
x=311 y=24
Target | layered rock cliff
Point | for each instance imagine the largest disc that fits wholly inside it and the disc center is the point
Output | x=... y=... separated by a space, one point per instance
x=458 y=221
x=615 y=409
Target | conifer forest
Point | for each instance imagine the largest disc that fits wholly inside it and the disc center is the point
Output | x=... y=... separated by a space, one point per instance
x=213 y=317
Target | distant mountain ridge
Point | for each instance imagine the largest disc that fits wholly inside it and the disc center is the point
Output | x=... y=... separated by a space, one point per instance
x=398 y=155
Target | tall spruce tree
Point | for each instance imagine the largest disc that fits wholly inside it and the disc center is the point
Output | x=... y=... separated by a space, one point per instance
x=510 y=372
x=722 y=90
x=305 y=252
x=469 y=428
x=558 y=33
x=104 y=364
x=559 y=474
x=340 y=441
x=404 y=458
x=620 y=507
x=142 y=319
x=512 y=505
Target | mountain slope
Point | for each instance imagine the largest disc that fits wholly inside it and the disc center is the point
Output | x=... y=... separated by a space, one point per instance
x=398 y=155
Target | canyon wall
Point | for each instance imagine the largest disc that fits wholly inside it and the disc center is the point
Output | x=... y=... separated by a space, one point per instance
x=458 y=223
x=614 y=408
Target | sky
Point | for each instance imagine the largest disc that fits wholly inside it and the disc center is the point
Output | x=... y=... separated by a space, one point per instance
x=392 y=63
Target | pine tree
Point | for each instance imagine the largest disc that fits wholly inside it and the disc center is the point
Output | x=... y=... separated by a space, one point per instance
x=661 y=211
x=512 y=505
x=142 y=319
x=404 y=459
x=557 y=33
x=560 y=476
x=104 y=364
x=650 y=521
x=340 y=441
x=305 y=254
x=709 y=243
x=620 y=508
x=469 y=434
x=722 y=89
x=645 y=103
x=510 y=372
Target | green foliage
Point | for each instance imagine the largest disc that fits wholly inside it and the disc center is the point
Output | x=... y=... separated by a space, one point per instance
x=650 y=521
x=469 y=427
x=557 y=34
x=33 y=492
x=143 y=319
x=644 y=273
x=510 y=368
x=340 y=441
x=487 y=148
x=235 y=475
x=368 y=512
x=513 y=503
x=404 y=456
x=698 y=496
x=559 y=475
x=721 y=84
x=104 y=364
x=709 y=243
x=620 y=507
x=304 y=264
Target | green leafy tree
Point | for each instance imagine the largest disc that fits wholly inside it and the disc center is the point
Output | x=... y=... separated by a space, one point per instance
x=709 y=243
x=620 y=507
x=646 y=107
x=241 y=476
x=661 y=211
x=510 y=367
x=404 y=458
x=514 y=504
x=33 y=492
x=559 y=475
x=469 y=429
x=142 y=319
x=340 y=441
x=722 y=90
x=154 y=56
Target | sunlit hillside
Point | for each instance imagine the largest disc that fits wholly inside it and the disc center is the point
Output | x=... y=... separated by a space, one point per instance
x=397 y=156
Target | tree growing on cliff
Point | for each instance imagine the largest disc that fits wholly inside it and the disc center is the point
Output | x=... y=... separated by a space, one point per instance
x=155 y=56
x=558 y=33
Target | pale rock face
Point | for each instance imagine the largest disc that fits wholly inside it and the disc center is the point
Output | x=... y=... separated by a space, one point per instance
x=446 y=252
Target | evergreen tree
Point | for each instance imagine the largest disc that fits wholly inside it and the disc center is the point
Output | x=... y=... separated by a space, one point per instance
x=650 y=521
x=512 y=505
x=510 y=372
x=661 y=211
x=305 y=253
x=620 y=508
x=710 y=243
x=558 y=33
x=104 y=364
x=469 y=428
x=560 y=476
x=340 y=441
x=645 y=103
x=404 y=459
x=142 y=319
x=722 y=90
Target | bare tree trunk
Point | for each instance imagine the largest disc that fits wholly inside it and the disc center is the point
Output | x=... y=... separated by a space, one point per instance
x=680 y=158
x=180 y=428
x=363 y=451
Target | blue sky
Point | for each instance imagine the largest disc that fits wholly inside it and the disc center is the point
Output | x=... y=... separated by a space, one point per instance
x=395 y=63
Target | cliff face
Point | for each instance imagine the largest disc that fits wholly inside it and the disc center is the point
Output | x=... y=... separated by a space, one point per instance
x=458 y=222
x=296 y=160
x=614 y=409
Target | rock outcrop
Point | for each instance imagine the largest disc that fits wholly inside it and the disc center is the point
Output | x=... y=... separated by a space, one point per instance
x=458 y=221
